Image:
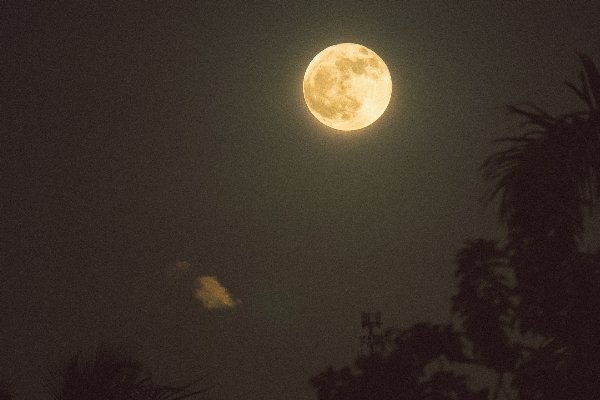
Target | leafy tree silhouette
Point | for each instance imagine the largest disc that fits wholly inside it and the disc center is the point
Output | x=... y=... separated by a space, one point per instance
x=527 y=308
x=399 y=372
x=109 y=374
x=484 y=306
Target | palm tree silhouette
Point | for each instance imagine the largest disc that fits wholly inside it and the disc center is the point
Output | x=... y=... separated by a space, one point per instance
x=549 y=174
x=108 y=373
x=546 y=181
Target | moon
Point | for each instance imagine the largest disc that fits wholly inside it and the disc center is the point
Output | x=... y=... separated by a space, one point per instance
x=347 y=86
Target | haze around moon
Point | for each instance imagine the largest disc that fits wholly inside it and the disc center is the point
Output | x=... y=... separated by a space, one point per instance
x=347 y=86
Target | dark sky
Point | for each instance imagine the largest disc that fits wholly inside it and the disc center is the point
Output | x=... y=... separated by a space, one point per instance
x=139 y=135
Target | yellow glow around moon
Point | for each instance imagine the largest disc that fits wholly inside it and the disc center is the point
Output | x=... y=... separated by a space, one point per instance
x=347 y=86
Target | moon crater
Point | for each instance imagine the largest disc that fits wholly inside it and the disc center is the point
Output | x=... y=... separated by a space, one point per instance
x=347 y=86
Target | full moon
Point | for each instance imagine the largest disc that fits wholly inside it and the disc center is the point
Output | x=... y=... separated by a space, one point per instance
x=347 y=86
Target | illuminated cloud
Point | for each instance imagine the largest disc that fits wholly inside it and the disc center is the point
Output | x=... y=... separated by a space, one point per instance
x=212 y=295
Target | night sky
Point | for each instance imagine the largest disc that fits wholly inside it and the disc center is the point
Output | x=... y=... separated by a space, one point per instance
x=147 y=144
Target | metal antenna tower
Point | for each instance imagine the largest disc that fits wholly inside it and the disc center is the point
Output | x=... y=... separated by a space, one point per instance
x=372 y=341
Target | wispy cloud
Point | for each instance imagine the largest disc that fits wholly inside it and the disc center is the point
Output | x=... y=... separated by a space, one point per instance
x=212 y=295
x=177 y=269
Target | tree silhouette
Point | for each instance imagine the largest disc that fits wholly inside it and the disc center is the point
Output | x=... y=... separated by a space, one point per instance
x=548 y=174
x=527 y=308
x=400 y=371
x=331 y=384
x=484 y=306
x=546 y=180
x=110 y=374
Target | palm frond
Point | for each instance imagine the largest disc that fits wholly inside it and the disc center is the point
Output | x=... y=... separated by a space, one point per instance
x=536 y=117
x=174 y=392
x=582 y=94
x=591 y=80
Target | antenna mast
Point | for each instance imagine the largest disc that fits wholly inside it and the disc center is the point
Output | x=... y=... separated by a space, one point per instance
x=372 y=341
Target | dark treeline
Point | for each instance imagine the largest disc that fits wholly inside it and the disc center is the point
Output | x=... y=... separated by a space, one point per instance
x=528 y=306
